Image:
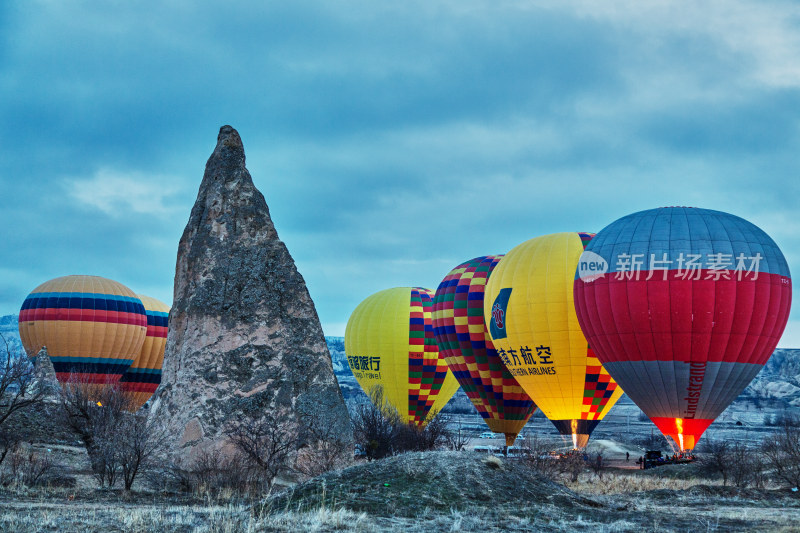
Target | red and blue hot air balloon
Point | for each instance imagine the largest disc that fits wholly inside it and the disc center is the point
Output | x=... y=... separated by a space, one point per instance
x=683 y=307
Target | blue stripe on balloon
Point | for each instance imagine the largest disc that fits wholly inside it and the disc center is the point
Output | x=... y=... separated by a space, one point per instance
x=677 y=230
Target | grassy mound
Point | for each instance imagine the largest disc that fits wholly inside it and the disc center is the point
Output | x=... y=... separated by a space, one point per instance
x=407 y=484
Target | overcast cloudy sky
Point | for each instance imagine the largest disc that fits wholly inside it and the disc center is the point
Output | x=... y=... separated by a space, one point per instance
x=392 y=140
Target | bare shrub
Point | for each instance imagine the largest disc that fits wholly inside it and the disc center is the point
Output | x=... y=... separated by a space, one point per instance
x=380 y=431
x=747 y=466
x=213 y=471
x=118 y=442
x=457 y=439
x=413 y=438
x=267 y=442
x=782 y=455
x=27 y=467
x=716 y=458
x=571 y=465
x=537 y=454
x=321 y=447
x=376 y=425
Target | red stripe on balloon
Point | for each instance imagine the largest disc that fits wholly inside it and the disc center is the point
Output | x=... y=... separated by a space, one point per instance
x=157 y=331
x=83 y=315
x=683 y=319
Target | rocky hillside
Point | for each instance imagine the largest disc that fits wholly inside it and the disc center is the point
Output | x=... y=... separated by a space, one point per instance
x=779 y=379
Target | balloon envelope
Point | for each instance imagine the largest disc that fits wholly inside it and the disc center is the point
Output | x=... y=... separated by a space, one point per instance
x=532 y=321
x=683 y=306
x=142 y=378
x=389 y=343
x=465 y=344
x=92 y=327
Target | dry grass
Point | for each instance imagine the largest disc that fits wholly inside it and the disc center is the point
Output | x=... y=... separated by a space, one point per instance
x=624 y=483
x=425 y=492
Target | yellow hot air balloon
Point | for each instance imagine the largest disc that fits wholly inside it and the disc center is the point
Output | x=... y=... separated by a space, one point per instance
x=389 y=342
x=92 y=327
x=141 y=380
x=532 y=321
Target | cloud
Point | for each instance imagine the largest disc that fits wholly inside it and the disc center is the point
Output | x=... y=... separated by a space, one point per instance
x=391 y=141
x=120 y=194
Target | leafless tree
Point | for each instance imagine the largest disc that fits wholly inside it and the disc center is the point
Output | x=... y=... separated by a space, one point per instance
x=457 y=439
x=716 y=458
x=782 y=454
x=118 y=442
x=18 y=387
x=266 y=441
x=139 y=444
x=746 y=465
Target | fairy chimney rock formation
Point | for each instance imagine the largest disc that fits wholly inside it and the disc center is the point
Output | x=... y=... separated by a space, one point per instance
x=244 y=337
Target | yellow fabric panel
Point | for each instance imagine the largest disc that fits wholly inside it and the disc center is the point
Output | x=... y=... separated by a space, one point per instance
x=541 y=314
x=379 y=327
x=152 y=352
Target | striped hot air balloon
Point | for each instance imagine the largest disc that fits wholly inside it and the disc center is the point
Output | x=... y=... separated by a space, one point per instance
x=141 y=380
x=389 y=343
x=92 y=327
x=464 y=341
x=533 y=325
x=683 y=306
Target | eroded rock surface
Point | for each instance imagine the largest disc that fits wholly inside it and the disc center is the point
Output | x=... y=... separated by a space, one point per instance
x=244 y=336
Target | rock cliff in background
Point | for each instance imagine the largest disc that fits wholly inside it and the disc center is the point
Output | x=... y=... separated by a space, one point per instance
x=244 y=336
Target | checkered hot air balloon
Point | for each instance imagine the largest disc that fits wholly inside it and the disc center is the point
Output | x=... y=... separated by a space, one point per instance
x=535 y=331
x=142 y=378
x=464 y=341
x=688 y=306
x=389 y=343
x=93 y=327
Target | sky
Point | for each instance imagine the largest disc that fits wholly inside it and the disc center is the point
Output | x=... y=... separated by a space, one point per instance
x=392 y=140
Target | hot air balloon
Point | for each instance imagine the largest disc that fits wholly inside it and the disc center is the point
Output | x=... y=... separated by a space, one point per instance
x=389 y=343
x=535 y=330
x=683 y=306
x=92 y=327
x=141 y=379
x=464 y=342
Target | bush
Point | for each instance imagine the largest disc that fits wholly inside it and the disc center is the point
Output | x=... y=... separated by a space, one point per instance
x=380 y=431
x=27 y=467
x=735 y=461
x=782 y=454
